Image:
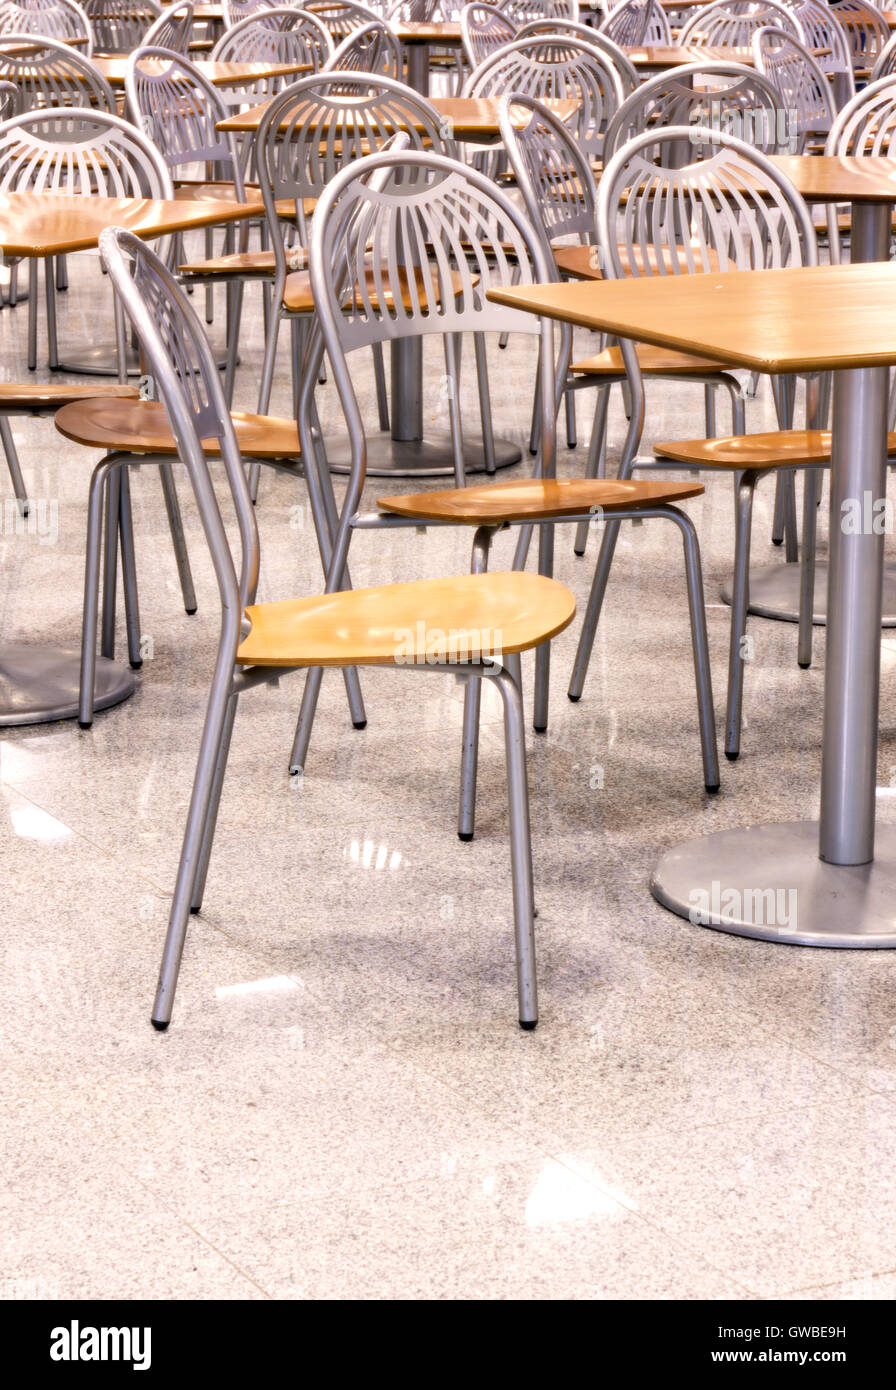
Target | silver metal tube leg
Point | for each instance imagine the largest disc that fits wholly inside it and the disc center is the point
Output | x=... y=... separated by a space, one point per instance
x=457 y=431
x=305 y=721
x=740 y=600
x=596 y=466
x=700 y=646
x=855 y=580
x=709 y=406
x=570 y=419
x=543 y=652
x=520 y=846
x=593 y=609
x=52 y=337
x=211 y=819
x=90 y=621
x=13 y=464
x=811 y=489
x=176 y=527
x=110 y=567
x=33 y=269
x=469 y=761
x=129 y=571
x=379 y=376
x=485 y=403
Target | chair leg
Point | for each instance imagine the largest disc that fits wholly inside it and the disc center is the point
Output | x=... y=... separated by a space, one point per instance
x=709 y=407
x=62 y=273
x=510 y=686
x=110 y=566
x=740 y=602
x=570 y=419
x=211 y=821
x=233 y=319
x=210 y=751
x=13 y=464
x=129 y=571
x=175 y=525
x=700 y=646
x=449 y=344
x=33 y=269
x=90 y=622
x=469 y=761
x=535 y=427
x=305 y=721
x=593 y=610
x=543 y=653
x=811 y=490
x=596 y=467
x=52 y=336
x=485 y=404
x=382 y=395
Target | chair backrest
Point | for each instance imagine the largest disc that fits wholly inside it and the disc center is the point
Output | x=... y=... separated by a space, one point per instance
x=804 y=90
x=78 y=151
x=886 y=62
x=867 y=124
x=823 y=30
x=53 y=19
x=637 y=22
x=621 y=61
x=427 y=11
x=552 y=174
x=233 y=11
x=10 y=100
x=173 y=29
x=340 y=17
x=321 y=123
x=728 y=24
x=178 y=109
x=705 y=96
x=866 y=30
x=484 y=29
x=276 y=35
x=52 y=74
x=370 y=48
x=523 y=11
x=562 y=68
x=732 y=210
x=120 y=25
x=460 y=234
x=177 y=359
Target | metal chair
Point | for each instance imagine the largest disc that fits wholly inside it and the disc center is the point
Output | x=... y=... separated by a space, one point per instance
x=173 y=29
x=732 y=208
x=370 y=48
x=804 y=90
x=83 y=152
x=866 y=30
x=484 y=30
x=729 y=25
x=119 y=26
x=234 y=11
x=628 y=73
x=260 y=643
x=521 y=12
x=49 y=73
x=556 y=68
x=179 y=109
x=636 y=22
x=467 y=238
x=275 y=35
x=886 y=62
x=341 y=17
x=825 y=34
x=52 y=19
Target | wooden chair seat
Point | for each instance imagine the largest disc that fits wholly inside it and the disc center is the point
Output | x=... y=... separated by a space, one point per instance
x=403 y=624
x=298 y=299
x=777 y=449
x=141 y=427
x=186 y=192
x=237 y=264
x=39 y=398
x=580 y=262
x=654 y=361
x=536 y=499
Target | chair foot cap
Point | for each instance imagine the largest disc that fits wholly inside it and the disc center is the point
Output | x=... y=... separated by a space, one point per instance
x=732 y=757
x=160 y=1025
x=190 y=611
x=804 y=665
x=361 y=724
x=780 y=542
x=88 y=725
x=136 y=665
x=529 y=1025
x=573 y=699
x=713 y=787
x=465 y=835
x=540 y=728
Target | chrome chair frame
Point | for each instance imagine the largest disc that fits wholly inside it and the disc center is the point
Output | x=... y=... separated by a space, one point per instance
x=51 y=19
x=173 y=29
x=635 y=22
x=372 y=48
x=120 y=25
x=628 y=73
x=727 y=25
x=485 y=29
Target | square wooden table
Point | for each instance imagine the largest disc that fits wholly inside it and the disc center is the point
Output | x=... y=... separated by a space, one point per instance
x=822 y=318
x=41 y=683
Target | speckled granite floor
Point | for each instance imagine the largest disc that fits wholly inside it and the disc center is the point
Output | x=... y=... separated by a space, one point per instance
x=344 y=1105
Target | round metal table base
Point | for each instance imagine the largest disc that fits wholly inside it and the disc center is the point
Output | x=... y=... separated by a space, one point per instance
x=775 y=593
x=40 y=684
x=420 y=458
x=767 y=882
x=102 y=360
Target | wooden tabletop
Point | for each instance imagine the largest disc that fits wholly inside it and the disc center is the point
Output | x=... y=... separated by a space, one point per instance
x=816 y=318
x=445 y=34
x=219 y=74
x=828 y=178
x=470 y=118
x=658 y=57
x=52 y=224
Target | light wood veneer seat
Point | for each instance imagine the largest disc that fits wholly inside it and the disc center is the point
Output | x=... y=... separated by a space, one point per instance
x=533 y=499
x=777 y=449
x=40 y=398
x=653 y=361
x=141 y=427
x=358 y=627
